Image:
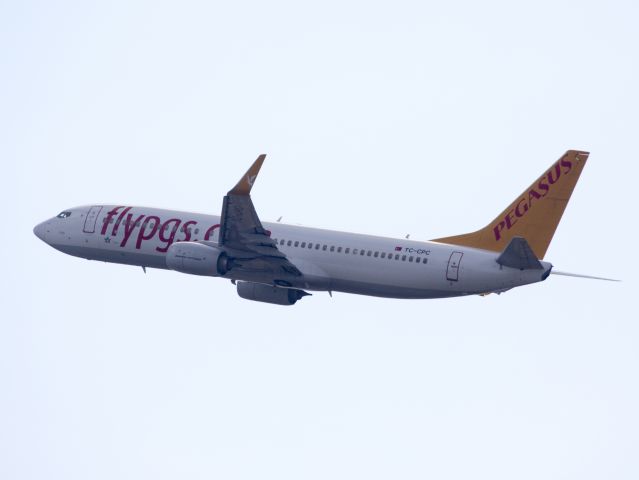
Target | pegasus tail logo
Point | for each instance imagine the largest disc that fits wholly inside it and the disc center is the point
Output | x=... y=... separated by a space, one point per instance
x=535 y=214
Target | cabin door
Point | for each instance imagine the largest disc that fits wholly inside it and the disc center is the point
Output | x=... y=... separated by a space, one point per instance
x=92 y=217
x=452 y=272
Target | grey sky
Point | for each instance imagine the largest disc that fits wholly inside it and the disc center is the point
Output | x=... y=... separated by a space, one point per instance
x=382 y=118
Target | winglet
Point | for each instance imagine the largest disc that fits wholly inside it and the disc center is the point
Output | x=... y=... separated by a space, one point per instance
x=243 y=187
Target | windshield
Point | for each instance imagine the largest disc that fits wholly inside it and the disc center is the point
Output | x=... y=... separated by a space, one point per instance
x=64 y=214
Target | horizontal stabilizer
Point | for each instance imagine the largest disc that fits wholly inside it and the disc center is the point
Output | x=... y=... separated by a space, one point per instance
x=518 y=254
x=567 y=274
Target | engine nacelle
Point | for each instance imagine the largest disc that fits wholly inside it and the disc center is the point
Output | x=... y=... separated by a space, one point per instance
x=266 y=293
x=197 y=259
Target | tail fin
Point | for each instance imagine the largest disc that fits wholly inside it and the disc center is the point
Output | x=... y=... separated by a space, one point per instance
x=533 y=215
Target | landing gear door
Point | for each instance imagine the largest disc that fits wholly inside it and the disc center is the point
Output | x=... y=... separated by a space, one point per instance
x=452 y=272
x=92 y=216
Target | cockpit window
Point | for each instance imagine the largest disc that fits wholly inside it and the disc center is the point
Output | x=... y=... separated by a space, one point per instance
x=64 y=214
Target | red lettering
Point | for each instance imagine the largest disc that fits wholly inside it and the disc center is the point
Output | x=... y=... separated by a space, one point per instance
x=141 y=235
x=108 y=218
x=166 y=226
x=498 y=228
x=562 y=167
x=119 y=220
x=211 y=231
x=509 y=220
x=567 y=164
x=532 y=195
x=129 y=225
x=557 y=168
x=186 y=230
x=543 y=186
x=520 y=213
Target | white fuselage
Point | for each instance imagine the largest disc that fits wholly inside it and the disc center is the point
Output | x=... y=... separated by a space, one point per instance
x=329 y=260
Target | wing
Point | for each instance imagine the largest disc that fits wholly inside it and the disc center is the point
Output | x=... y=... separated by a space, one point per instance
x=246 y=241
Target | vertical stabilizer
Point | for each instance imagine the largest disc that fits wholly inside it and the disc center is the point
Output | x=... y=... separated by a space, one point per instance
x=535 y=214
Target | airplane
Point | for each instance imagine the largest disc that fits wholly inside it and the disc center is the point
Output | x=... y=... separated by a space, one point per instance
x=279 y=264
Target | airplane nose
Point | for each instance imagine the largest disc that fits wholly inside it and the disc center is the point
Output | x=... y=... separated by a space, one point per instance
x=40 y=231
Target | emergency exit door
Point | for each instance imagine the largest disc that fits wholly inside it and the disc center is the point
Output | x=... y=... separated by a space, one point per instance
x=92 y=217
x=452 y=272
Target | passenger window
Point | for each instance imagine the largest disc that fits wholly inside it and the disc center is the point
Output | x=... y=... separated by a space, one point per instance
x=383 y=254
x=303 y=245
x=397 y=256
x=376 y=254
x=410 y=259
x=362 y=252
x=418 y=259
x=339 y=249
x=369 y=253
x=297 y=243
x=197 y=230
x=348 y=250
x=310 y=245
x=282 y=242
x=317 y=245
x=332 y=248
x=403 y=258
x=354 y=251
x=324 y=248
x=290 y=242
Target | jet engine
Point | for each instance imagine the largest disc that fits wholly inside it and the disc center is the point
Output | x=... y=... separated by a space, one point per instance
x=269 y=294
x=197 y=259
